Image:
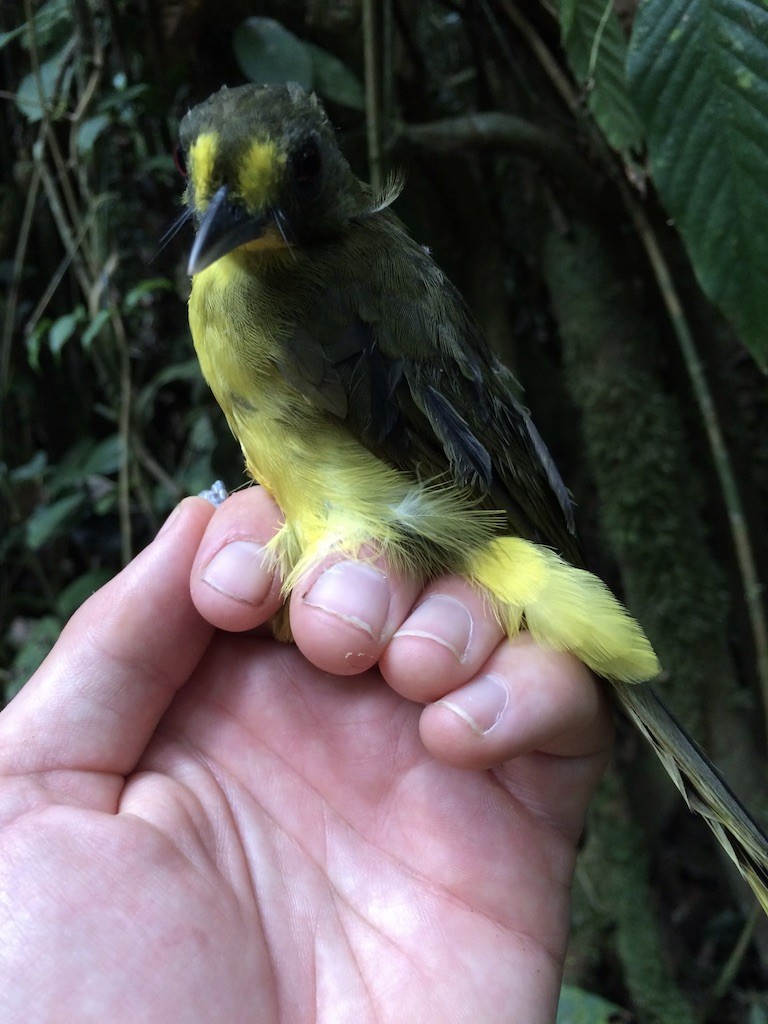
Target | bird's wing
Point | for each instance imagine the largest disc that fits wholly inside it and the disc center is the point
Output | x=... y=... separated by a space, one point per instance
x=389 y=346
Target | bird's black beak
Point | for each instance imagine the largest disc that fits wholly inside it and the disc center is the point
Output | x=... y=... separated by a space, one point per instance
x=222 y=228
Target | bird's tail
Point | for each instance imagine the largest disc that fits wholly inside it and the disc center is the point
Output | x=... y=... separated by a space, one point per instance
x=563 y=607
x=569 y=609
x=703 y=787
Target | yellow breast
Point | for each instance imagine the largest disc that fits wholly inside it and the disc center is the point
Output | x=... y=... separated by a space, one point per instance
x=333 y=492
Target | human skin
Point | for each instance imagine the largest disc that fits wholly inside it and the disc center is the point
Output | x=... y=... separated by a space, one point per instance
x=200 y=824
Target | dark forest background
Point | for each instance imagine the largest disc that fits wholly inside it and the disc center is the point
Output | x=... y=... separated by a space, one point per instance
x=594 y=178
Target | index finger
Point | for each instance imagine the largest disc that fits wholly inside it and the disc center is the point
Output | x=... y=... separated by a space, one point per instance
x=95 y=701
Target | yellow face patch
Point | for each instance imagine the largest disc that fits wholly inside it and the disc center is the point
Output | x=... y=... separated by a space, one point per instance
x=259 y=170
x=202 y=159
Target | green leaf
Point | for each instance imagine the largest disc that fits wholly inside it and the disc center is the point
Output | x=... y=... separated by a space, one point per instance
x=88 y=131
x=271 y=55
x=567 y=14
x=69 y=471
x=596 y=47
x=104 y=458
x=63 y=329
x=48 y=22
x=187 y=370
x=579 y=1007
x=698 y=70
x=333 y=79
x=39 y=637
x=34 y=342
x=94 y=327
x=48 y=520
x=79 y=590
x=152 y=284
x=7 y=37
x=33 y=98
x=32 y=470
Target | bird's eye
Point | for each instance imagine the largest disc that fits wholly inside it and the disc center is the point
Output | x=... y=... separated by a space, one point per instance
x=180 y=159
x=307 y=163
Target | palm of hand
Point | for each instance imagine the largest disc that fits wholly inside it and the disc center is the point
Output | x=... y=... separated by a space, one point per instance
x=281 y=847
x=242 y=852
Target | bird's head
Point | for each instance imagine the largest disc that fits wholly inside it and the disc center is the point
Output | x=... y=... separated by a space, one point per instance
x=264 y=173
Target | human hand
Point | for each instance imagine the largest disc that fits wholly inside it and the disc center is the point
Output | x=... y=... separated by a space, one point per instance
x=201 y=826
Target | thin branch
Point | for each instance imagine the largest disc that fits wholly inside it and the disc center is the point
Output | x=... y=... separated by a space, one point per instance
x=496 y=130
x=124 y=430
x=597 y=41
x=153 y=467
x=733 y=964
x=551 y=68
x=388 y=73
x=58 y=274
x=64 y=228
x=372 y=112
x=19 y=256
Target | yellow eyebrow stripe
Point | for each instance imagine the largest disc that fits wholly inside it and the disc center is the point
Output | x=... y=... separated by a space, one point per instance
x=259 y=171
x=202 y=160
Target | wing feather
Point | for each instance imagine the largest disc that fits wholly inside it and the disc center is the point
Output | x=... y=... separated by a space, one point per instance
x=404 y=365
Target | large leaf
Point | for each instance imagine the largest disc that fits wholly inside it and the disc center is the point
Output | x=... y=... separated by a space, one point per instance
x=43 y=92
x=48 y=22
x=698 y=71
x=579 y=1007
x=333 y=79
x=79 y=590
x=48 y=520
x=596 y=47
x=270 y=55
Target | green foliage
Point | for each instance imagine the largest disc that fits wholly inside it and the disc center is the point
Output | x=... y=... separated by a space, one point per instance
x=698 y=70
x=269 y=54
x=580 y=1007
x=104 y=426
x=596 y=47
x=42 y=93
x=51 y=21
x=64 y=487
x=695 y=91
x=33 y=638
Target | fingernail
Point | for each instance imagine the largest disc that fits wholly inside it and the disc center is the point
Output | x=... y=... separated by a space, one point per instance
x=481 y=703
x=356 y=592
x=237 y=571
x=445 y=620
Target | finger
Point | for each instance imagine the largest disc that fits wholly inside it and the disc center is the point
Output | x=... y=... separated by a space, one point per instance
x=233 y=583
x=443 y=642
x=345 y=612
x=524 y=699
x=96 y=699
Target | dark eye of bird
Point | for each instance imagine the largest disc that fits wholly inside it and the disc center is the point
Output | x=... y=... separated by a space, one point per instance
x=180 y=159
x=307 y=163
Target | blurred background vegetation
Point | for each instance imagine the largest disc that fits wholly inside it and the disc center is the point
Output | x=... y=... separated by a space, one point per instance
x=594 y=177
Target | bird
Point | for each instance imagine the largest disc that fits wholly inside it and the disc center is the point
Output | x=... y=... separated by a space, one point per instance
x=367 y=402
